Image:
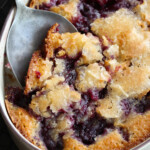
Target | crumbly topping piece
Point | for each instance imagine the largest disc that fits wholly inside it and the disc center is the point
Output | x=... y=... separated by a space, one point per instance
x=57 y=96
x=124 y=29
x=131 y=82
x=109 y=107
x=61 y=53
x=144 y=10
x=68 y=10
x=92 y=76
x=112 y=51
x=60 y=66
x=89 y=46
x=62 y=96
x=73 y=43
x=113 y=66
x=91 y=51
x=39 y=70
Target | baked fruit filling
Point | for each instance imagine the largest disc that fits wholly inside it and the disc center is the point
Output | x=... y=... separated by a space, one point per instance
x=88 y=91
x=84 y=12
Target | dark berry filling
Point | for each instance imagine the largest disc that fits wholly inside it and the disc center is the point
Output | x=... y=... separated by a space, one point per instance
x=70 y=77
x=70 y=73
x=126 y=106
x=70 y=63
x=91 y=10
x=46 y=134
x=52 y=3
x=85 y=109
x=142 y=106
x=90 y=129
x=94 y=94
x=88 y=15
x=135 y=105
x=87 y=124
x=17 y=97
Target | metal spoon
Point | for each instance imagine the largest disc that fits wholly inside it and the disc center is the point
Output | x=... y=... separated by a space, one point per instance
x=26 y=35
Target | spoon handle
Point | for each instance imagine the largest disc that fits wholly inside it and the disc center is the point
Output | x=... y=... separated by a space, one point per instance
x=19 y=3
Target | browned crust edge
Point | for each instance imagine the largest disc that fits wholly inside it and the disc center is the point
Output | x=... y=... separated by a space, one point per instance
x=36 y=55
x=27 y=125
x=50 y=43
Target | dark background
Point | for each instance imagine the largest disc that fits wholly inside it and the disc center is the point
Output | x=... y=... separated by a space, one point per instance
x=6 y=142
x=5 y=6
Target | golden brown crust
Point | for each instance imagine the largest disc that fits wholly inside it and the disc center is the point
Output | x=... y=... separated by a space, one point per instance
x=28 y=126
x=72 y=44
x=39 y=70
x=58 y=96
x=68 y=10
x=109 y=107
x=73 y=144
x=113 y=141
x=124 y=28
x=87 y=45
x=121 y=83
x=52 y=41
x=138 y=127
x=92 y=76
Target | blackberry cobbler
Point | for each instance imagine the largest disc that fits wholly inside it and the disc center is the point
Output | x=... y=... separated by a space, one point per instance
x=88 y=90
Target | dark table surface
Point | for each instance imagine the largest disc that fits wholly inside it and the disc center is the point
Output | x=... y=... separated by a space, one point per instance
x=6 y=142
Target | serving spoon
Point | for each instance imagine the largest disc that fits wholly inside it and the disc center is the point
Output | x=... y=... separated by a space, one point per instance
x=27 y=32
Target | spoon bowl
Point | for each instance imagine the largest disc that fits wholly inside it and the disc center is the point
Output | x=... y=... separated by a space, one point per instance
x=27 y=32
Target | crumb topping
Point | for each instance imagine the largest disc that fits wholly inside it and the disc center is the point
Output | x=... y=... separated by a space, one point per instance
x=110 y=107
x=94 y=76
x=60 y=66
x=64 y=9
x=55 y=96
x=139 y=76
x=124 y=28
